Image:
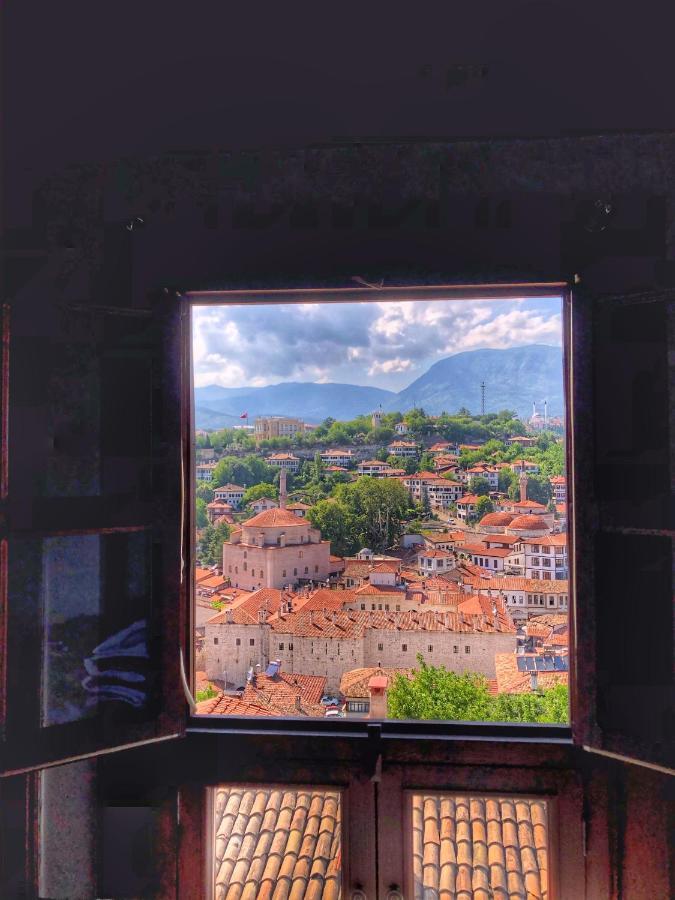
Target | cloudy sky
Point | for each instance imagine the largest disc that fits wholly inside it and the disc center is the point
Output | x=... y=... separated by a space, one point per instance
x=387 y=345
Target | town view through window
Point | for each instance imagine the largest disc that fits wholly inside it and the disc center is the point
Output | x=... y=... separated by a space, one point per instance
x=381 y=519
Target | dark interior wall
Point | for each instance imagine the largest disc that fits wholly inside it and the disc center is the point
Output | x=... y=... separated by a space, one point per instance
x=210 y=128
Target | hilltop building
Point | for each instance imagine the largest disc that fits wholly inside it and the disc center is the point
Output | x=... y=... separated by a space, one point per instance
x=268 y=427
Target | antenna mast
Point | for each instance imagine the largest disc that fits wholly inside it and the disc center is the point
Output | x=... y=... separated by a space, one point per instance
x=482 y=398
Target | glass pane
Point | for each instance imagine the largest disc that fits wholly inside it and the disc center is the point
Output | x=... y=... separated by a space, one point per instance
x=277 y=842
x=84 y=601
x=380 y=509
x=479 y=846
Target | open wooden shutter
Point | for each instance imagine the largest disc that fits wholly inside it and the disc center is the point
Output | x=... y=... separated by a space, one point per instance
x=624 y=408
x=91 y=532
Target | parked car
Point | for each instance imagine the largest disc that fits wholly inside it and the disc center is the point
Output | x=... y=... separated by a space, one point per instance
x=329 y=700
x=334 y=712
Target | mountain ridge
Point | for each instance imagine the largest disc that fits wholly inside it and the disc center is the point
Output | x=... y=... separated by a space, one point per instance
x=515 y=377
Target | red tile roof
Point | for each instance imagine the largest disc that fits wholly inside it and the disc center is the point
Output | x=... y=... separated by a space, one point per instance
x=518 y=583
x=495 y=519
x=281 y=691
x=480 y=605
x=274 y=518
x=529 y=523
x=467 y=499
x=356 y=683
x=353 y=625
x=511 y=681
x=499 y=552
x=324 y=598
x=552 y=540
x=435 y=554
x=222 y=705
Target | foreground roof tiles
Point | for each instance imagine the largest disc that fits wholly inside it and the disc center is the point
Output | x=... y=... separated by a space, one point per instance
x=276 y=844
x=479 y=847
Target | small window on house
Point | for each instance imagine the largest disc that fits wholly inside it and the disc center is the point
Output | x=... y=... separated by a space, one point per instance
x=404 y=647
x=316 y=569
x=363 y=606
x=215 y=640
x=238 y=642
x=380 y=646
x=251 y=642
x=299 y=554
x=295 y=571
x=430 y=648
x=281 y=646
x=283 y=574
x=245 y=566
x=290 y=646
x=455 y=649
x=306 y=570
x=467 y=649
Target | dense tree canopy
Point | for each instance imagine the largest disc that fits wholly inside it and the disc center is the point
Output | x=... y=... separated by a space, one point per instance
x=246 y=471
x=200 y=511
x=210 y=547
x=336 y=523
x=379 y=507
x=435 y=692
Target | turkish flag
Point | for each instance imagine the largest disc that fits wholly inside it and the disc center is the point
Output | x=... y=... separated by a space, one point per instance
x=244 y=416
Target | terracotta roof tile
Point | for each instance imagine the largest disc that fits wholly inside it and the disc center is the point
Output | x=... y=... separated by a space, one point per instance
x=511 y=681
x=476 y=847
x=356 y=682
x=353 y=625
x=274 y=518
x=274 y=844
x=222 y=705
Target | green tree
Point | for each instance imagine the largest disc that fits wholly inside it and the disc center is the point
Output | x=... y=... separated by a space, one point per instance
x=538 y=489
x=200 y=513
x=483 y=507
x=263 y=489
x=208 y=693
x=204 y=491
x=506 y=479
x=379 y=507
x=479 y=486
x=336 y=524
x=426 y=463
x=210 y=548
x=434 y=692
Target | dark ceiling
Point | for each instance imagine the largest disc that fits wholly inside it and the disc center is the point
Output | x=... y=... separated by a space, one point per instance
x=87 y=81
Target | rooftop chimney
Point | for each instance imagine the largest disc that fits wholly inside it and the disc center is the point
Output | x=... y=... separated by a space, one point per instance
x=229 y=617
x=298 y=704
x=377 y=686
x=534 y=681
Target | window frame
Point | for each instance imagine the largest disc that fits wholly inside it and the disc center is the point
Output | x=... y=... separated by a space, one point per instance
x=423 y=728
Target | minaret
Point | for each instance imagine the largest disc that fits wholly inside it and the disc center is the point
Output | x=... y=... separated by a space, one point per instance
x=283 y=496
x=534 y=409
x=545 y=413
x=522 y=481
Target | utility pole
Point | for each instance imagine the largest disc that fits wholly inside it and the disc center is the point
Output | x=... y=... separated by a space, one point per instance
x=482 y=398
